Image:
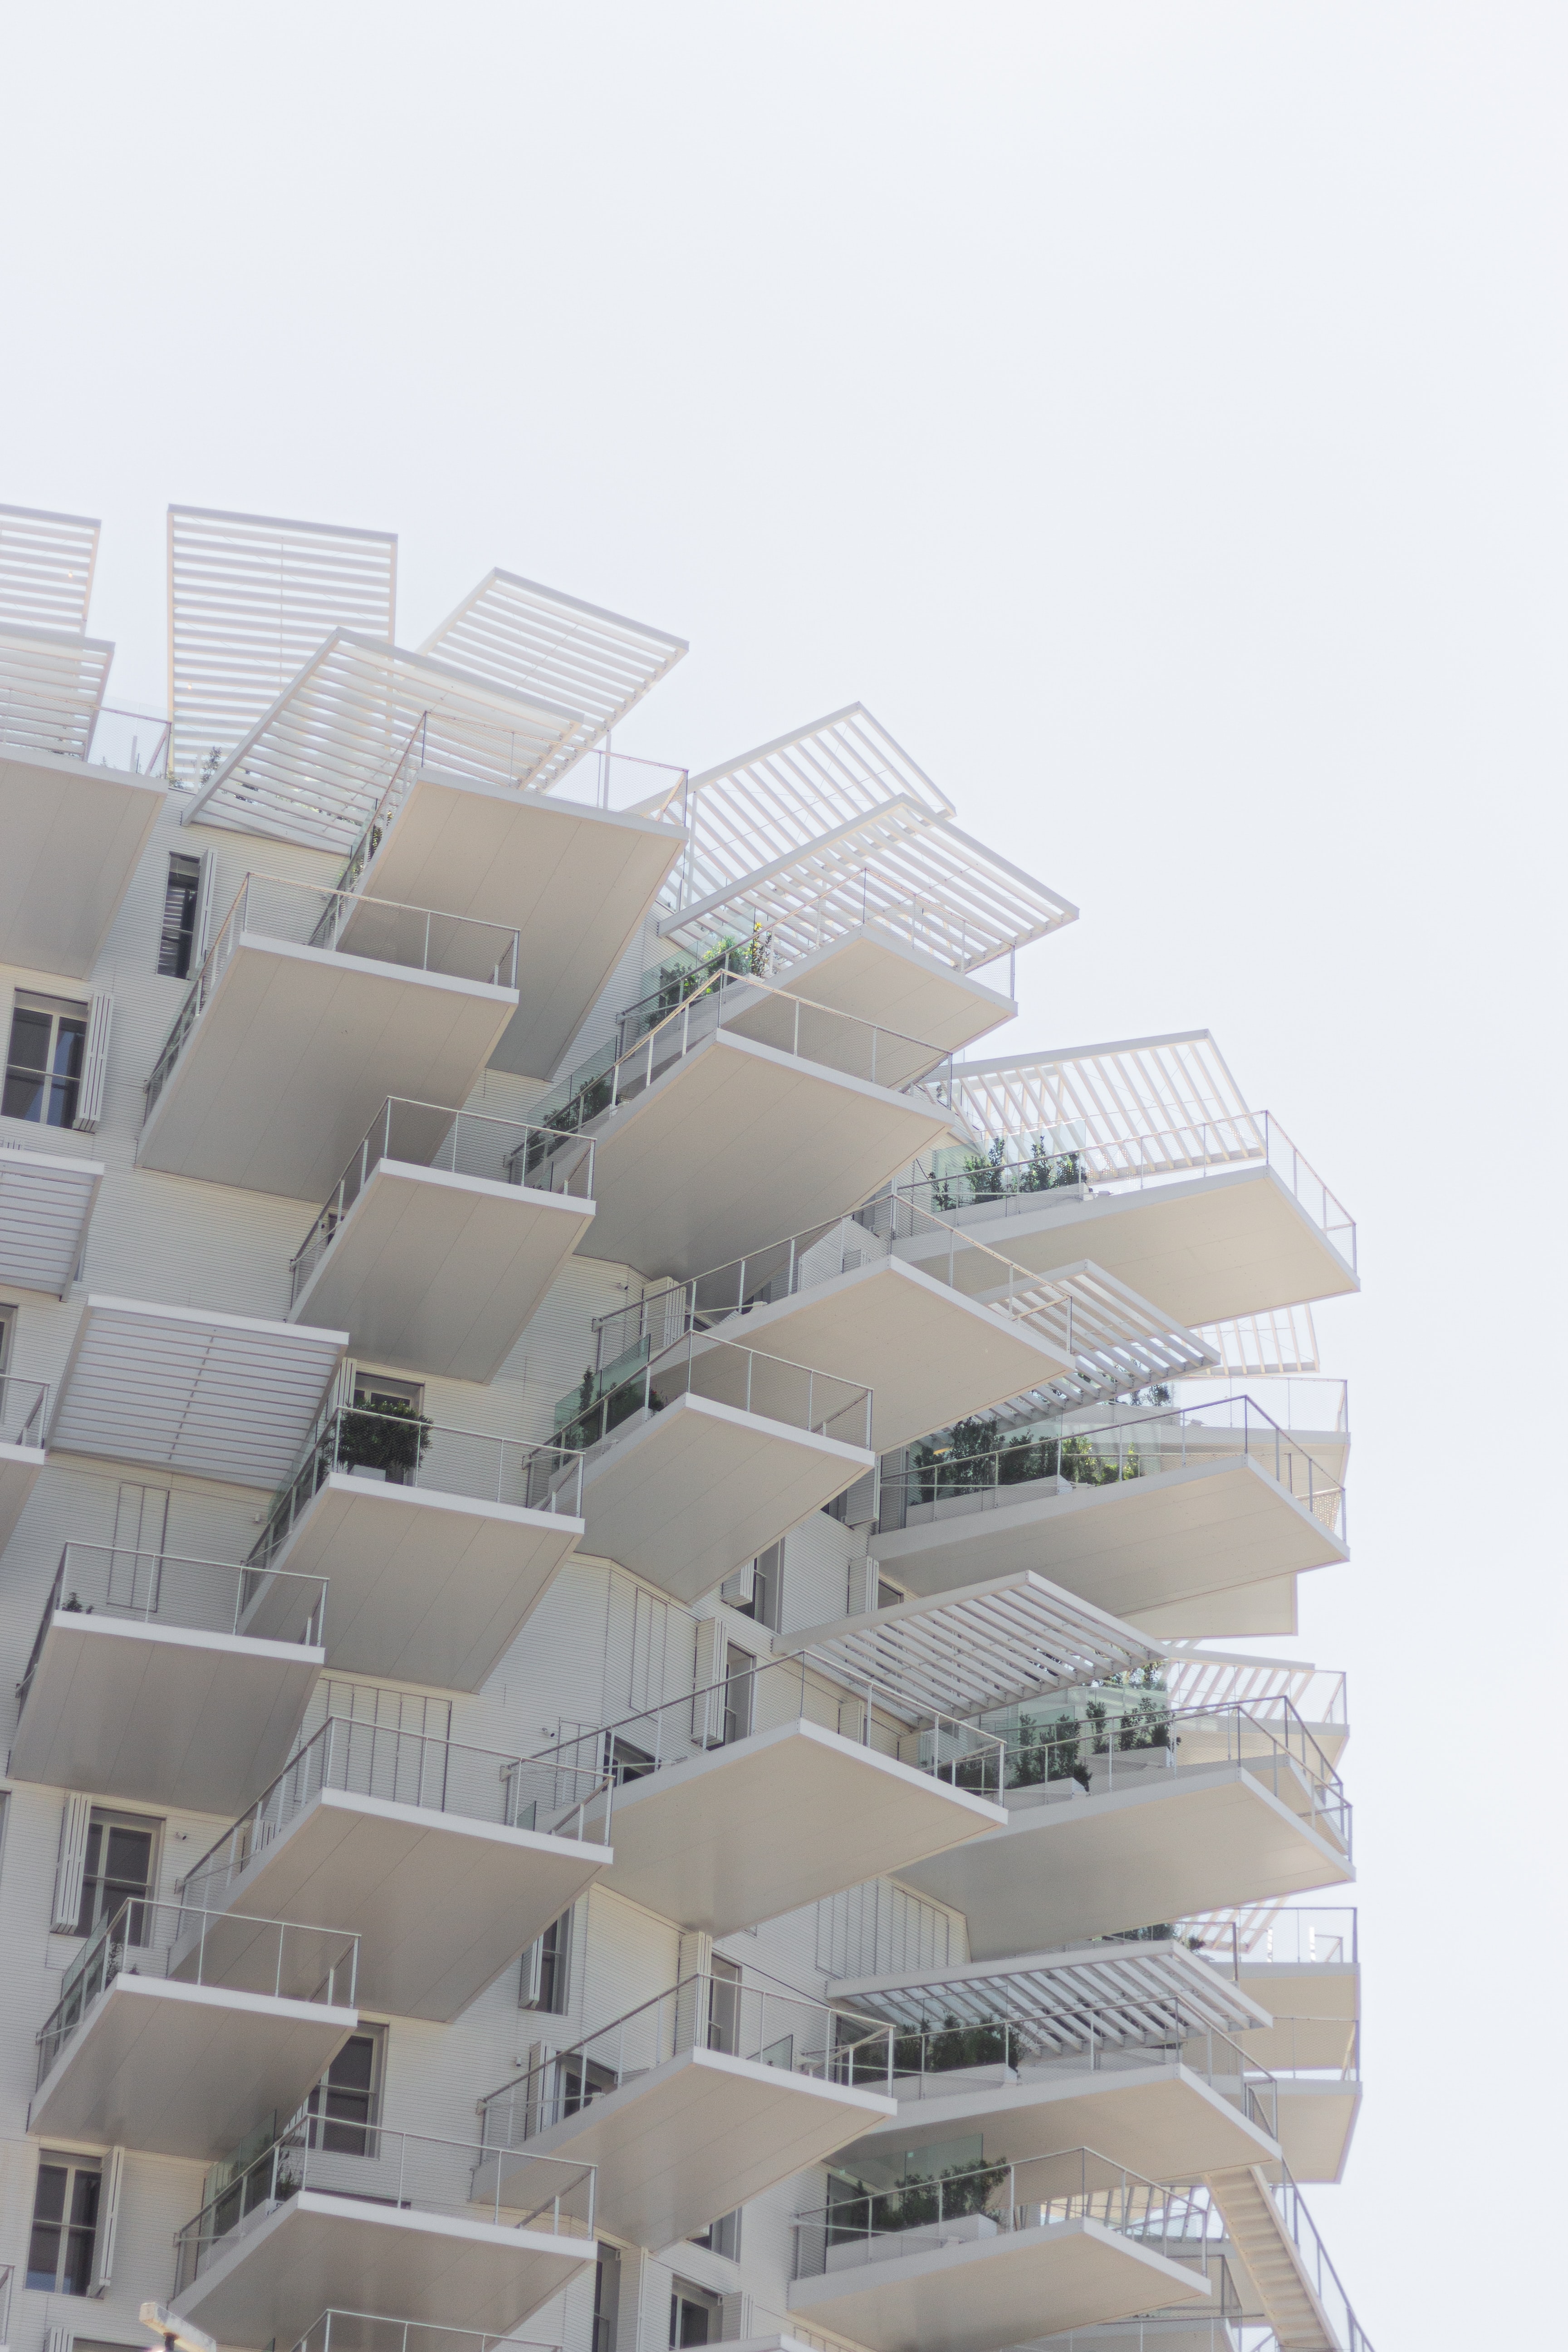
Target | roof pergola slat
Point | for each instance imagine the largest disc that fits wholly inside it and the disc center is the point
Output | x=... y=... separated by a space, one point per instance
x=1173 y=1096
x=46 y=564
x=51 y=689
x=1138 y=1988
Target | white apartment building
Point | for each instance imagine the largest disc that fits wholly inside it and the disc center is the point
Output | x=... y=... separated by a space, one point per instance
x=608 y=1533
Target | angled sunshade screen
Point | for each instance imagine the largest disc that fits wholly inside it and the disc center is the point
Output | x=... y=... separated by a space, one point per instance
x=51 y=685
x=252 y=598
x=360 y=716
x=1093 y=1100
x=538 y=644
x=46 y=563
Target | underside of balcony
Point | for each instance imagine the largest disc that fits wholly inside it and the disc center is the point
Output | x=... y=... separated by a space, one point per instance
x=879 y=977
x=1317 y=2124
x=1267 y=1607
x=20 y=1469
x=74 y=836
x=46 y=1203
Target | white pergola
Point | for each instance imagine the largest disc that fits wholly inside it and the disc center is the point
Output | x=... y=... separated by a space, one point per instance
x=46 y=1203
x=534 y=642
x=1263 y=1347
x=251 y=597
x=51 y=689
x=1172 y=1097
x=46 y=563
x=835 y=828
x=316 y=766
x=1114 y=1340
x=1132 y=1990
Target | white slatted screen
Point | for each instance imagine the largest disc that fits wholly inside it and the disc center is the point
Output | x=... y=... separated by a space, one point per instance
x=51 y=685
x=46 y=563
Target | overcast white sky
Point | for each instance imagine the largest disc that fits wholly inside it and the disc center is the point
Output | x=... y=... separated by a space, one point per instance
x=1154 y=414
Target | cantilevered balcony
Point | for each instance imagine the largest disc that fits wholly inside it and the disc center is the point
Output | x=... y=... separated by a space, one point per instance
x=74 y=836
x=776 y=1786
x=311 y=1007
x=1110 y=1827
x=971 y=2260
x=425 y=1849
x=354 y=2215
x=141 y=1685
x=23 y=1418
x=1153 y=1512
x=690 y=2105
x=1302 y=1965
x=430 y=1249
x=438 y=1542
x=743 y=1113
x=696 y=1459
x=45 y=1204
x=179 y=2029
x=367 y=2331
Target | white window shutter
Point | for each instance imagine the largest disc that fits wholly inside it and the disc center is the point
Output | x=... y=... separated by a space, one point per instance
x=94 y=1064
x=532 y=1975
x=201 y=938
x=71 y=1868
x=59 y=2340
x=707 y=1707
x=731 y=2318
x=108 y=2221
x=541 y=2108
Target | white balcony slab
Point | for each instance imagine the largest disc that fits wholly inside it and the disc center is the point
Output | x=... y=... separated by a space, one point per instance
x=46 y=1205
x=929 y=1355
x=689 y=2139
x=320 y=2252
x=1160 y=2119
x=20 y=1469
x=296 y=1050
x=575 y=881
x=1208 y=1248
x=441 y=1902
x=1182 y=1842
x=165 y=1714
x=423 y=1586
x=737 y=1143
x=776 y=1820
x=222 y=1396
x=882 y=979
x=1315 y=2008
x=1135 y=1544
x=74 y=836
x=1267 y=1607
x=975 y=2295
x=1317 y=2125
x=686 y=1496
x=440 y=1273
x=177 y=2069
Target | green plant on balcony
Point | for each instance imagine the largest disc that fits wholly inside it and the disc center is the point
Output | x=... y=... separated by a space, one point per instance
x=391 y=1436
x=952 y=2046
x=1041 y=1751
x=920 y=2200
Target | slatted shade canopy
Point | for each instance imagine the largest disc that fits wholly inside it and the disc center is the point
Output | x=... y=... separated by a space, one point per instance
x=536 y=643
x=1114 y=1340
x=251 y=599
x=220 y=1396
x=1174 y=1095
x=51 y=686
x=46 y=563
x=44 y=1204
x=1010 y=1638
x=314 y=768
x=1282 y=1341
x=1131 y=1989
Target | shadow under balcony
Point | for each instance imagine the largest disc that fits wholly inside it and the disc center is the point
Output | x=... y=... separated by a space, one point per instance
x=868 y=972
x=438 y=1543
x=355 y=2216
x=178 y=2029
x=46 y=1205
x=140 y=1685
x=431 y=1251
x=23 y=1418
x=74 y=836
x=311 y=1008
x=689 y=2105
x=426 y=1850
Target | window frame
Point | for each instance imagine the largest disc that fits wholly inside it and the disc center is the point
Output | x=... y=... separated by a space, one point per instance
x=78 y=2170
x=61 y=1011
x=102 y=1821
x=178 y=945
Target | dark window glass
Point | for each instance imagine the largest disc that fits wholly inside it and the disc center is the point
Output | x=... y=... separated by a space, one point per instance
x=552 y=1966
x=119 y=1870
x=179 y=931
x=342 y=2106
x=43 y=1065
x=725 y=2007
x=65 y=2221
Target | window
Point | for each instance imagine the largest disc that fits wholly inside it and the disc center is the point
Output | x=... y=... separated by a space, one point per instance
x=181 y=893
x=721 y=2237
x=757 y=1590
x=740 y=1680
x=578 y=2080
x=372 y=1390
x=43 y=1065
x=7 y=1336
x=122 y=1857
x=724 y=2006
x=547 y=1968
x=65 y=2223
x=626 y=1760
x=606 y=2298
x=889 y=1596
x=695 y=2315
x=345 y=2106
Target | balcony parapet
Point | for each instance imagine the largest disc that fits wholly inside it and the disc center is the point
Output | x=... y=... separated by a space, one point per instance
x=641 y=1382
x=164 y=1589
x=23 y=1411
x=366 y=2331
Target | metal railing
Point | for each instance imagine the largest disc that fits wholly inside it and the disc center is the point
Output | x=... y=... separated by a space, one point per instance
x=1069 y=1158
x=402 y=1767
x=24 y=1410
x=134 y=741
x=207 y=1596
x=187 y=1943
x=1259 y=1935
x=767 y=2023
x=950 y=1483
x=405 y=1450
x=1206 y=1678
x=460 y=947
x=409 y=2170
x=970 y=2203
x=767 y=1693
x=1302 y=2232
x=366 y=2331
x=722 y=1373
x=455 y=1142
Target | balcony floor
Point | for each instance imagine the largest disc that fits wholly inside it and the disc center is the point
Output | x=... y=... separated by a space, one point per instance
x=1136 y=1544
x=162 y=1714
x=74 y=836
x=423 y=1586
x=1008 y=2289
x=1187 y=1841
x=295 y=1053
x=175 y=2069
x=776 y=1820
x=280 y=2269
x=737 y=1144
x=440 y=1273
x=20 y=1469
x=690 y=2138
x=685 y=1497
x=441 y=1902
